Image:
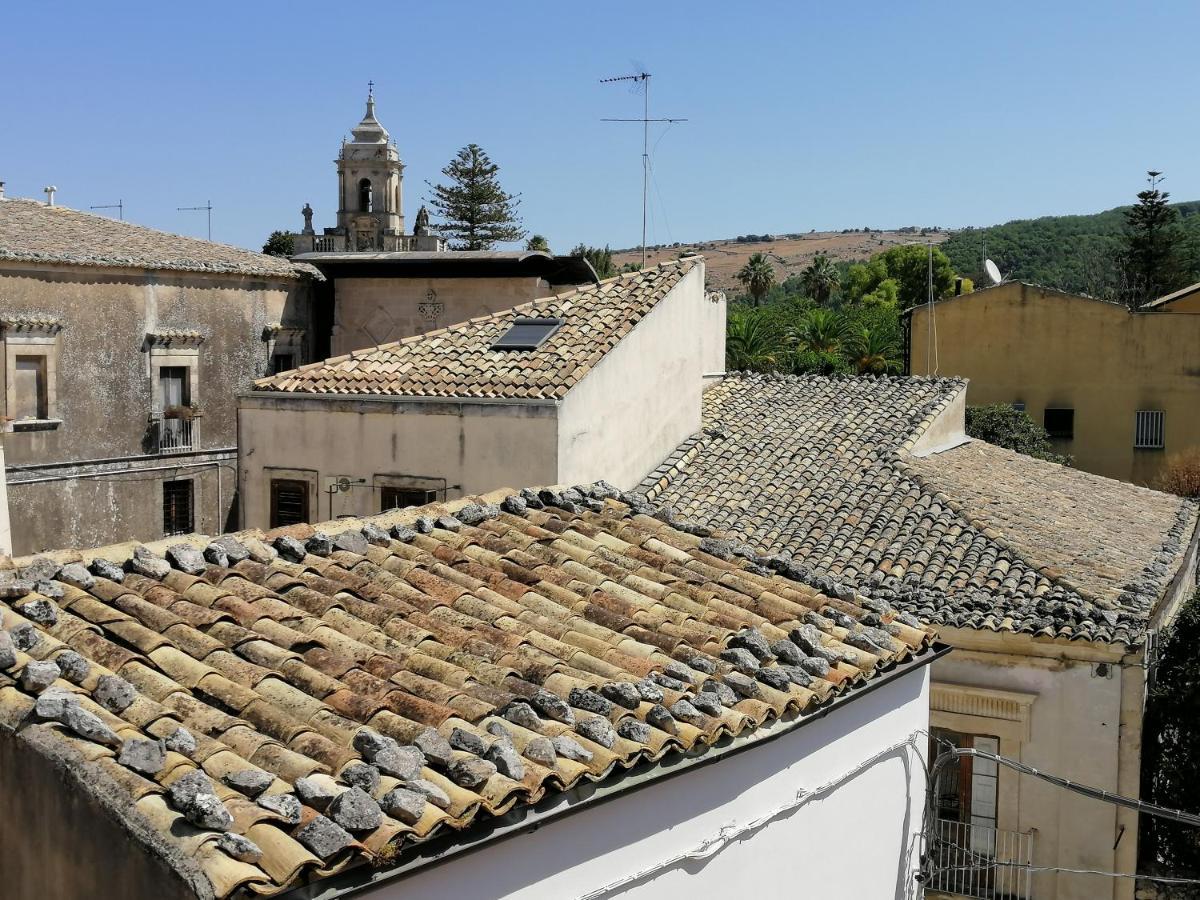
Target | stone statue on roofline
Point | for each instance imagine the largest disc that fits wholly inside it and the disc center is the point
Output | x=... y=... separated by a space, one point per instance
x=421 y=226
x=307 y=212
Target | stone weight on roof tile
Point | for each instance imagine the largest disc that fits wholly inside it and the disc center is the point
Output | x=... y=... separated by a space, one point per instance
x=107 y=569
x=208 y=812
x=37 y=676
x=8 y=650
x=284 y=805
x=355 y=811
x=404 y=805
x=240 y=848
x=146 y=757
x=324 y=837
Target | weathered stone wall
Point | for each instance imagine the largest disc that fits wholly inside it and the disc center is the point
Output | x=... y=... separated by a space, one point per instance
x=104 y=388
x=371 y=311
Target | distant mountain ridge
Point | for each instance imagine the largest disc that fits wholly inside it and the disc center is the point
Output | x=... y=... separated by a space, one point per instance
x=1070 y=253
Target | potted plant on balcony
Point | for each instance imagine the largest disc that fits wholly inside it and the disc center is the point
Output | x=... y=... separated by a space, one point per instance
x=181 y=411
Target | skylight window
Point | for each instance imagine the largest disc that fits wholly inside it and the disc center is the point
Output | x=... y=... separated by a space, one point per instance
x=527 y=334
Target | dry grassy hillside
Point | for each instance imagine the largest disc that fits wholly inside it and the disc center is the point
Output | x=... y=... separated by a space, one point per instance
x=789 y=255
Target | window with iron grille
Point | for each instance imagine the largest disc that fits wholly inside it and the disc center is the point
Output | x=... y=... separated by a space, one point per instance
x=177 y=507
x=1059 y=423
x=1019 y=405
x=1148 y=429
x=289 y=502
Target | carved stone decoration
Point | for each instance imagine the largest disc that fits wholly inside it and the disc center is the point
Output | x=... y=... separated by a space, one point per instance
x=421 y=227
x=432 y=307
x=307 y=212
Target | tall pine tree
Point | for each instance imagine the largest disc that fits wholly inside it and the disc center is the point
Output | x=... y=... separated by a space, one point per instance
x=476 y=212
x=1152 y=264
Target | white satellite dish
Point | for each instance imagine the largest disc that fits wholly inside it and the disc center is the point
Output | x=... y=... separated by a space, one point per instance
x=993 y=271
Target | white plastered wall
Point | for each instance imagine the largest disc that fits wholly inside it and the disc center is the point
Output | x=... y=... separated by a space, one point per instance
x=643 y=397
x=854 y=841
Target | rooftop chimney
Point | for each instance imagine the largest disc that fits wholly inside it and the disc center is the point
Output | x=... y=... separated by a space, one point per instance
x=49 y=190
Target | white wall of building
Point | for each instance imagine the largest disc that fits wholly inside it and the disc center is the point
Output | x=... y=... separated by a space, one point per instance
x=643 y=397
x=856 y=840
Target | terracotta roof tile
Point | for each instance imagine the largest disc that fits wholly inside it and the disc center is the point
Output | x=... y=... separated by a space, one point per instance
x=820 y=469
x=34 y=232
x=459 y=361
x=328 y=665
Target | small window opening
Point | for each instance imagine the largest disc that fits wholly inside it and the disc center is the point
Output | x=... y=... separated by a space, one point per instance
x=527 y=334
x=31 y=395
x=364 y=195
x=1060 y=423
x=402 y=498
x=177 y=507
x=1148 y=429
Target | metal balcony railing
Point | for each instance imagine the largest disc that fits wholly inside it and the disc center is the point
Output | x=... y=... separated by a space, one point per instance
x=175 y=435
x=980 y=861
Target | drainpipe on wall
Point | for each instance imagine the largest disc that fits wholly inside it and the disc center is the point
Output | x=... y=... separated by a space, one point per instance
x=5 y=528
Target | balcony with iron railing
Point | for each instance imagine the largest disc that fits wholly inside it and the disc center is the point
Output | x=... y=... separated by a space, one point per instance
x=979 y=861
x=173 y=432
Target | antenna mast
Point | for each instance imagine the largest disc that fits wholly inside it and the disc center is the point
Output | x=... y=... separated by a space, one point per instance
x=642 y=79
x=119 y=206
x=207 y=206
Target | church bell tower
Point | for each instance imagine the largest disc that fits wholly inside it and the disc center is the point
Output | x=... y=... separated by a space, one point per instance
x=370 y=187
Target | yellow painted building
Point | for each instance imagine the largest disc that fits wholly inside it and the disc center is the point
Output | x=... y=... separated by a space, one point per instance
x=1118 y=390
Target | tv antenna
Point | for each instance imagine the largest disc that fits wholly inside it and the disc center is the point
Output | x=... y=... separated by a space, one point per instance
x=119 y=206
x=207 y=206
x=641 y=81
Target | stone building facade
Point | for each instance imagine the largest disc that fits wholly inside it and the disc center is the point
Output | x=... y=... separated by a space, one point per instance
x=121 y=353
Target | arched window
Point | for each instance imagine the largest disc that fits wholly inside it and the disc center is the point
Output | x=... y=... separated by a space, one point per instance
x=364 y=195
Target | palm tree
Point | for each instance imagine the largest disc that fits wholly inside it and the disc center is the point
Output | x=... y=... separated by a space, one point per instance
x=874 y=352
x=751 y=341
x=757 y=276
x=538 y=243
x=820 y=277
x=820 y=331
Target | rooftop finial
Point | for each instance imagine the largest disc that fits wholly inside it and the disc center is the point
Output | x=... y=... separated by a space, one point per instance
x=370 y=98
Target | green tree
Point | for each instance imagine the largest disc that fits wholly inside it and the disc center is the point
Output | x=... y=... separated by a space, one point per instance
x=752 y=341
x=861 y=278
x=757 y=276
x=908 y=264
x=538 y=243
x=1152 y=240
x=476 y=212
x=820 y=331
x=874 y=351
x=820 y=278
x=1171 y=748
x=600 y=258
x=886 y=293
x=1006 y=426
x=280 y=243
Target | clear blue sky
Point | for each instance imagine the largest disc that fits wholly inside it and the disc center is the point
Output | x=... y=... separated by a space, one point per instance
x=801 y=115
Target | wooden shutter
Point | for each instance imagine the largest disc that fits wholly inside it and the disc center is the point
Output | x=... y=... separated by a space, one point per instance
x=289 y=502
